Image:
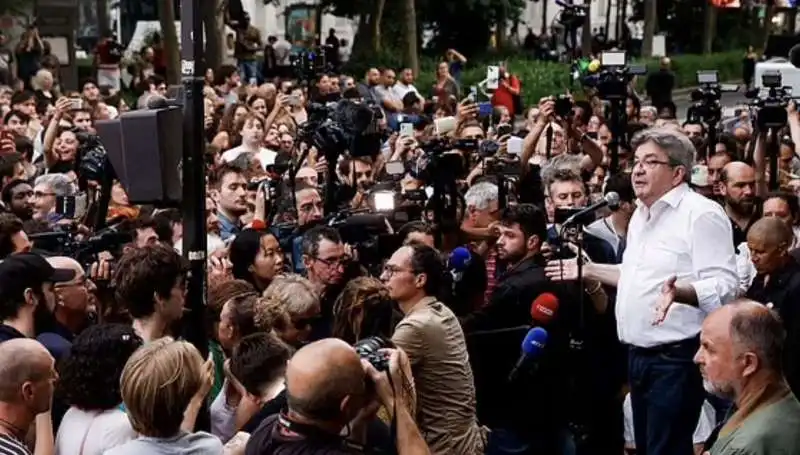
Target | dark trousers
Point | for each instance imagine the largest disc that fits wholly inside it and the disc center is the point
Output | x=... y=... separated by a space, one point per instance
x=666 y=397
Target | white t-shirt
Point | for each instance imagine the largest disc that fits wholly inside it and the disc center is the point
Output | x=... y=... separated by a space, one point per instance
x=95 y=431
x=400 y=90
x=705 y=425
x=265 y=156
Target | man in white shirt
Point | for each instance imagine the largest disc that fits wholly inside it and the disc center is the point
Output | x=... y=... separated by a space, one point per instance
x=405 y=84
x=678 y=266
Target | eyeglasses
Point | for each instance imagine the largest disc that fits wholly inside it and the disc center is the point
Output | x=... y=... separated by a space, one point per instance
x=39 y=194
x=390 y=270
x=650 y=163
x=333 y=262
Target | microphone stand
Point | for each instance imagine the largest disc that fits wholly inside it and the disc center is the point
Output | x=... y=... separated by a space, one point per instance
x=617 y=123
x=575 y=343
x=772 y=151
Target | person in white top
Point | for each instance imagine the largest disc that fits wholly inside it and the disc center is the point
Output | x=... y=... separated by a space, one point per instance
x=252 y=134
x=404 y=84
x=90 y=384
x=678 y=266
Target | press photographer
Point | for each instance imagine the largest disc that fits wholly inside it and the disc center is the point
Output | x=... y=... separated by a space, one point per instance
x=333 y=396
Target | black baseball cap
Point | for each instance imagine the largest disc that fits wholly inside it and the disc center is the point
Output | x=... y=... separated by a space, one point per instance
x=29 y=270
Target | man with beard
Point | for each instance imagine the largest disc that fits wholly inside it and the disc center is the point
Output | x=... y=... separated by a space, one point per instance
x=738 y=189
x=740 y=356
x=522 y=229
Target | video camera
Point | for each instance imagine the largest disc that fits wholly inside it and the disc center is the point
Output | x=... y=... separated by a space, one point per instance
x=706 y=106
x=67 y=242
x=614 y=76
x=771 y=101
x=344 y=126
x=308 y=65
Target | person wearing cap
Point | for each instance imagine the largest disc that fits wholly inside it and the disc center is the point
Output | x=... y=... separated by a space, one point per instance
x=26 y=281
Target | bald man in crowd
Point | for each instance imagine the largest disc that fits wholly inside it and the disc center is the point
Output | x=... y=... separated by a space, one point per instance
x=738 y=190
x=327 y=389
x=740 y=355
x=777 y=284
x=27 y=380
x=75 y=299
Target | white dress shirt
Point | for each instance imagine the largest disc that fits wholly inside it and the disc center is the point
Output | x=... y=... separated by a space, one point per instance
x=685 y=235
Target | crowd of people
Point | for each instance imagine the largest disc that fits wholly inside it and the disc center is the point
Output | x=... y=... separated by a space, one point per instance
x=675 y=332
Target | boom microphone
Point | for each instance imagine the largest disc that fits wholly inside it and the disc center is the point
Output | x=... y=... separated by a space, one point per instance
x=544 y=308
x=532 y=348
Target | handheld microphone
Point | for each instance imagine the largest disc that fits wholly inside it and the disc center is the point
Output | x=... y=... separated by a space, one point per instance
x=532 y=348
x=611 y=200
x=544 y=308
x=458 y=261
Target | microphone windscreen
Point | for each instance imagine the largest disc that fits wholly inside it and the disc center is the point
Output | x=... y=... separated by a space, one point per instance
x=794 y=55
x=534 y=342
x=612 y=198
x=459 y=259
x=544 y=307
x=594 y=66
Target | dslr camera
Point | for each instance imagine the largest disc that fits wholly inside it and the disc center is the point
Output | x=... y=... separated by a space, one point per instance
x=369 y=349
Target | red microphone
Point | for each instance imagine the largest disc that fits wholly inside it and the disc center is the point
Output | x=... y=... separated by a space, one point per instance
x=544 y=308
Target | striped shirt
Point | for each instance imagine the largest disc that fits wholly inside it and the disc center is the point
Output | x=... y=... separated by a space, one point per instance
x=10 y=445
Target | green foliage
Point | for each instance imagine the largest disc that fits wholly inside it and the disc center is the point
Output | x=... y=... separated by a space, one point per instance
x=541 y=79
x=538 y=78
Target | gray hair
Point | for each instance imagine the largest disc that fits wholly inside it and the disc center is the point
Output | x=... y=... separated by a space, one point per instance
x=481 y=195
x=294 y=292
x=60 y=184
x=757 y=328
x=560 y=165
x=679 y=149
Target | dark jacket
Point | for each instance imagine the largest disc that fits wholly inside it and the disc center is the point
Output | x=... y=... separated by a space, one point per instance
x=494 y=339
x=783 y=292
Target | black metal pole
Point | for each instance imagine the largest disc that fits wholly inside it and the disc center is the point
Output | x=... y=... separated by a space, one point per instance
x=194 y=187
x=617 y=126
x=772 y=149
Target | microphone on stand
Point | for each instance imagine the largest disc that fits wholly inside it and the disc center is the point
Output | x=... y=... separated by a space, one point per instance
x=611 y=199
